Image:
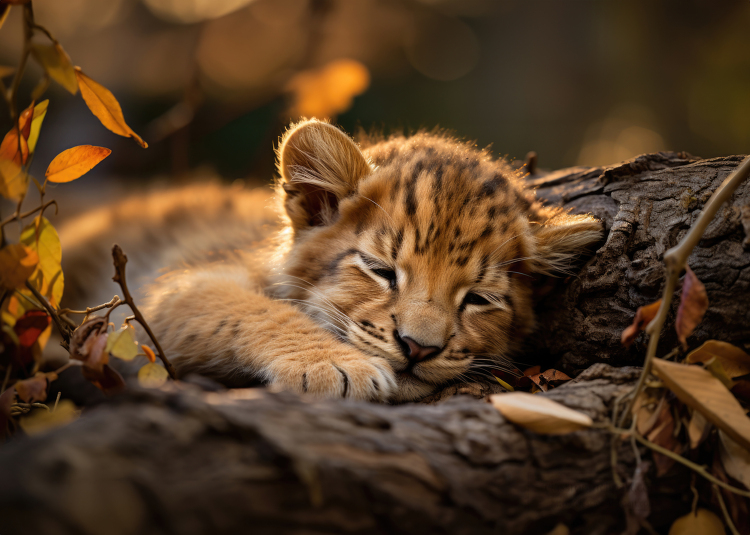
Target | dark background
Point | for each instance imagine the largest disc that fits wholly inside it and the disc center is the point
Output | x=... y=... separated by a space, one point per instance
x=210 y=84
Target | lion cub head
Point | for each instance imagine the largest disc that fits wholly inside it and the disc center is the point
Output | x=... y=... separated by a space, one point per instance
x=420 y=250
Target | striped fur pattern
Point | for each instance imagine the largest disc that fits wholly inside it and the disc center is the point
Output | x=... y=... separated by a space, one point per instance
x=410 y=240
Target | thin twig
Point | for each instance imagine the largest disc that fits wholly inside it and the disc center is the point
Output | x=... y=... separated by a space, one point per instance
x=120 y=260
x=63 y=329
x=28 y=21
x=727 y=518
x=57 y=400
x=114 y=302
x=19 y=216
x=675 y=259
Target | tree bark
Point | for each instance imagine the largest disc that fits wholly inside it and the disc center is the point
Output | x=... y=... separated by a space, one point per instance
x=245 y=461
x=647 y=204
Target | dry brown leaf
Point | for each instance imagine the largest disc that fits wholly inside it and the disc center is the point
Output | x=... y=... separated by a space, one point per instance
x=703 y=522
x=693 y=304
x=106 y=379
x=57 y=64
x=663 y=435
x=17 y=263
x=539 y=414
x=32 y=390
x=698 y=429
x=75 y=162
x=734 y=361
x=700 y=390
x=735 y=458
x=647 y=412
x=105 y=107
x=643 y=316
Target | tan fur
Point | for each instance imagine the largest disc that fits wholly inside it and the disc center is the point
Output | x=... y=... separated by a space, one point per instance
x=320 y=313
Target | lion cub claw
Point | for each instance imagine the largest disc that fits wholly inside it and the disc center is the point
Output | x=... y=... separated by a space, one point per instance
x=353 y=375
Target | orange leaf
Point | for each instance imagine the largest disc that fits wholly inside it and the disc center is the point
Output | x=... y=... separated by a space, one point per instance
x=149 y=353
x=57 y=64
x=105 y=107
x=9 y=148
x=643 y=316
x=693 y=304
x=76 y=162
x=32 y=390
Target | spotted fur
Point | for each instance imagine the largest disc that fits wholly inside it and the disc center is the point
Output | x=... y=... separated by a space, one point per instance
x=409 y=240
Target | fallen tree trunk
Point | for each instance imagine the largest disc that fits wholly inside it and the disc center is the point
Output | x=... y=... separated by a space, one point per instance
x=187 y=462
x=192 y=462
x=648 y=204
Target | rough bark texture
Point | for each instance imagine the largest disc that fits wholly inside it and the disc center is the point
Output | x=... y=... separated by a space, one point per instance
x=648 y=204
x=194 y=462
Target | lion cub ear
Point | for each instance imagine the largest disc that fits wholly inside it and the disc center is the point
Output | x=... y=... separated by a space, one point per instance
x=561 y=239
x=319 y=166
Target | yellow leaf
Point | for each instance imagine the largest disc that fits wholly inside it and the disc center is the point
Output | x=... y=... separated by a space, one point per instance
x=152 y=375
x=76 y=162
x=734 y=361
x=539 y=414
x=105 y=107
x=42 y=237
x=17 y=263
x=121 y=344
x=56 y=63
x=700 y=390
x=703 y=522
x=505 y=385
x=40 y=111
x=41 y=420
x=13 y=180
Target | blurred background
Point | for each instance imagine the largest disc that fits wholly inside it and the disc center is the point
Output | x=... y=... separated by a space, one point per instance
x=210 y=84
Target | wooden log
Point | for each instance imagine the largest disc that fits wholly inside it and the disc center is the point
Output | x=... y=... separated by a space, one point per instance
x=648 y=204
x=247 y=461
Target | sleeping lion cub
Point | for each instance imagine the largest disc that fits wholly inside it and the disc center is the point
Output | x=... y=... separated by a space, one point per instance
x=395 y=268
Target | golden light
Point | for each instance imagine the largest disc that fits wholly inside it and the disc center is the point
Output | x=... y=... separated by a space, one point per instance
x=328 y=91
x=189 y=11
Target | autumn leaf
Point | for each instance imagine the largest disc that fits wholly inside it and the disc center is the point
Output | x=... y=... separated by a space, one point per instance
x=57 y=65
x=13 y=180
x=539 y=414
x=17 y=263
x=40 y=421
x=105 y=107
x=86 y=337
x=32 y=390
x=75 y=162
x=700 y=390
x=703 y=522
x=643 y=316
x=663 y=435
x=41 y=237
x=698 y=429
x=735 y=459
x=152 y=375
x=505 y=385
x=693 y=304
x=122 y=344
x=734 y=360
x=12 y=148
x=28 y=329
x=108 y=380
x=329 y=90
x=40 y=111
x=152 y=357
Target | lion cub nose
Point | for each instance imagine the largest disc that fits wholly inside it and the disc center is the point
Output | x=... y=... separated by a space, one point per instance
x=416 y=352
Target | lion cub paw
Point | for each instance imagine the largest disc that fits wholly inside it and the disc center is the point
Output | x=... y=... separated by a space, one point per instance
x=354 y=375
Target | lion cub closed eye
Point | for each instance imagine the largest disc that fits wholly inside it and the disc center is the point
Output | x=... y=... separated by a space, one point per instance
x=399 y=266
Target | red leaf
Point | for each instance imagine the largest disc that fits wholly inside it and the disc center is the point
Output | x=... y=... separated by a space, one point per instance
x=643 y=316
x=693 y=304
x=30 y=326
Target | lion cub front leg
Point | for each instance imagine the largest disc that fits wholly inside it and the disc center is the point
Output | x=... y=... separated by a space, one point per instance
x=214 y=323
